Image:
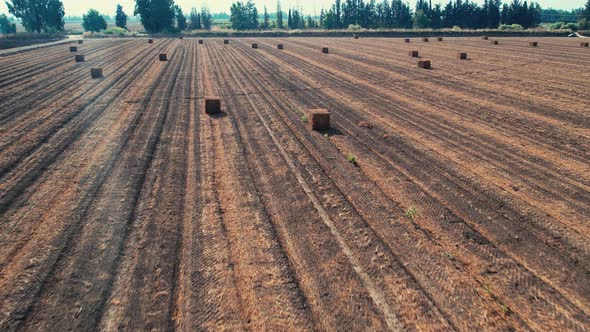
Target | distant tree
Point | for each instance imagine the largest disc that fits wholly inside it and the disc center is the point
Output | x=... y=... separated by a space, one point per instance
x=586 y=11
x=156 y=15
x=121 y=18
x=180 y=19
x=55 y=16
x=244 y=16
x=93 y=21
x=279 y=15
x=421 y=21
x=206 y=19
x=194 y=20
x=32 y=13
x=6 y=27
x=265 y=23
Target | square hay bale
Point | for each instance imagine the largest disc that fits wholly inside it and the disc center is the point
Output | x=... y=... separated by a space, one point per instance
x=495 y=42
x=73 y=49
x=485 y=37
x=96 y=72
x=407 y=40
x=462 y=56
x=319 y=119
x=424 y=64
x=212 y=106
x=150 y=41
x=80 y=42
x=534 y=44
x=226 y=41
x=355 y=36
x=584 y=44
x=181 y=37
x=414 y=54
x=425 y=40
x=201 y=41
x=280 y=46
x=80 y=58
x=439 y=38
x=254 y=45
x=325 y=50
x=163 y=57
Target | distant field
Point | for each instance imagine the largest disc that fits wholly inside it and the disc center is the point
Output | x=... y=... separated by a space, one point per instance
x=456 y=198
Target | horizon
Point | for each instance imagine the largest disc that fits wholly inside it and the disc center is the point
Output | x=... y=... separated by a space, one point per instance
x=311 y=7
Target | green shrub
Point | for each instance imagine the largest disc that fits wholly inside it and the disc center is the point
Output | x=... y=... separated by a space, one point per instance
x=351 y=159
x=354 y=27
x=514 y=27
x=116 y=31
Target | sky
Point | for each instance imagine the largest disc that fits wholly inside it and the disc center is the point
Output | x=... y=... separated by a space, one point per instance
x=79 y=7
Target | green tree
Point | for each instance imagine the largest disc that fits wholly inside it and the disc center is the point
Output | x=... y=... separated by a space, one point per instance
x=121 y=18
x=279 y=15
x=421 y=21
x=194 y=20
x=206 y=19
x=55 y=16
x=244 y=16
x=586 y=12
x=6 y=27
x=32 y=13
x=93 y=21
x=180 y=19
x=265 y=23
x=156 y=15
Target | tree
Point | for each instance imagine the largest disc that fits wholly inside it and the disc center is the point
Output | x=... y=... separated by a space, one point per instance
x=194 y=20
x=279 y=15
x=32 y=13
x=6 y=27
x=121 y=18
x=93 y=21
x=55 y=16
x=586 y=11
x=206 y=19
x=180 y=19
x=265 y=23
x=156 y=15
x=243 y=16
x=421 y=21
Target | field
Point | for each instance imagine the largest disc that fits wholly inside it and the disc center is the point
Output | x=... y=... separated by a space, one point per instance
x=456 y=198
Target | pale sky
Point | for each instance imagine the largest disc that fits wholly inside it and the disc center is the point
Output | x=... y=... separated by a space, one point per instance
x=78 y=7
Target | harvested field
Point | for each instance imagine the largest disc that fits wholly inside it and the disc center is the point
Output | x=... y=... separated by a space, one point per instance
x=456 y=198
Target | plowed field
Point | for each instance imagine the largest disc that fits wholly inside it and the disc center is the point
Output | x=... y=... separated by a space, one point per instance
x=124 y=206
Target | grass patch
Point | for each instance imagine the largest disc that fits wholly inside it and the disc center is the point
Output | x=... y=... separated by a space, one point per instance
x=352 y=159
x=411 y=213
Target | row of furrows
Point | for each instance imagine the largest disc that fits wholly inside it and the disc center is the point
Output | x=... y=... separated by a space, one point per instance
x=481 y=68
x=20 y=76
x=76 y=272
x=535 y=171
x=564 y=302
x=432 y=282
x=43 y=88
x=19 y=61
x=502 y=93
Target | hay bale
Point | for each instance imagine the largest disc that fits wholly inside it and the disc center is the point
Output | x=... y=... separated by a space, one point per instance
x=201 y=41
x=96 y=72
x=280 y=46
x=425 y=40
x=407 y=40
x=225 y=41
x=495 y=42
x=355 y=36
x=212 y=106
x=80 y=58
x=181 y=37
x=80 y=42
x=150 y=41
x=485 y=38
x=414 y=54
x=73 y=49
x=254 y=45
x=534 y=44
x=462 y=56
x=424 y=64
x=584 y=44
x=319 y=119
x=325 y=50
x=439 y=38
x=163 y=57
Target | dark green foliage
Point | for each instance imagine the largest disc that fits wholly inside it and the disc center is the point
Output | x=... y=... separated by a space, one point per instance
x=156 y=15
x=38 y=15
x=93 y=21
x=266 y=23
x=6 y=27
x=244 y=16
x=279 y=15
x=121 y=18
x=180 y=19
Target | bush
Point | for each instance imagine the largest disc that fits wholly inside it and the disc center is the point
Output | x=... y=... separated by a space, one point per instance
x=116 y=31
x=456 y=28
x=512 y=27
x=557 y=25
x=572 y=26
x=583 y=24
x=354 y=27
